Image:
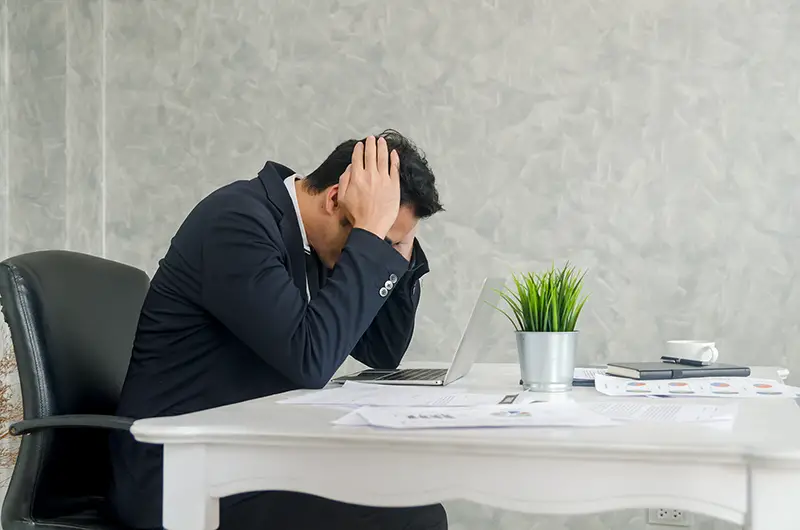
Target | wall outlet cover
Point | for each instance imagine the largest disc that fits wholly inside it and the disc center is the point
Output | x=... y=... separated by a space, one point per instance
x=669 y=517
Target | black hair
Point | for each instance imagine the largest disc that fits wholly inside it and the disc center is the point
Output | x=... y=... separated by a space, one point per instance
x=417 y=183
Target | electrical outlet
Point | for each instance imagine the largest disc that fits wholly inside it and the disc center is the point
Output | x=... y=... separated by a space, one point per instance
x=668 y=517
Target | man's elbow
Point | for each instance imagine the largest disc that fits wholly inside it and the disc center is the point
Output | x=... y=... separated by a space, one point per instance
x=305 y=367
x=311 y=380
x=316 y=383
x=313 y=377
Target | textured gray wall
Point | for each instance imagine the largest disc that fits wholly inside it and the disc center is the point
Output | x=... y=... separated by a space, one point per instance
x=654 y=142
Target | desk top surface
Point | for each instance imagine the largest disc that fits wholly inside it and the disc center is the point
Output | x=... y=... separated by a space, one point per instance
x=767 y=430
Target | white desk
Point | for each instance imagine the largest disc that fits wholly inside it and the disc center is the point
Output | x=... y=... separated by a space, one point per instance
x=750 y=475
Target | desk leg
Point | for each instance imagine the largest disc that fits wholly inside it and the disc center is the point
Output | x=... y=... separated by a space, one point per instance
x=187 y=505
x=773 y=496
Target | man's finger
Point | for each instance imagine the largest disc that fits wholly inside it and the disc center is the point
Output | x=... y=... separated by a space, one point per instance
x=344 y=182
x=357 y=160
x=370 y=155
x=394 y=170
x=383 y=156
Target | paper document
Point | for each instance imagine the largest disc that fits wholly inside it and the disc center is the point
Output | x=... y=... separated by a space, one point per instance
x=587 y=373
x=673 y=412
x=534 y=415
x=730 y=387
x=363 y=394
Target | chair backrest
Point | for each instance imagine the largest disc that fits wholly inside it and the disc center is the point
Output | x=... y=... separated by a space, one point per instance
x=72 y=319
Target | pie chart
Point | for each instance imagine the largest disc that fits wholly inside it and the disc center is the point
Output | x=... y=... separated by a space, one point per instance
x=719 y=387
x=680 y=387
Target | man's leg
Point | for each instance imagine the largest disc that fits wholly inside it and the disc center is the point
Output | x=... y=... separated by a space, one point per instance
x=290 y=511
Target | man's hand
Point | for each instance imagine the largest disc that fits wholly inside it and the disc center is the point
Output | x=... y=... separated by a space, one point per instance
x=406 y=245
x=369 y=190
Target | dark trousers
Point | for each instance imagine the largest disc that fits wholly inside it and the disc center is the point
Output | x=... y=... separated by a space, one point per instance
x=281 y=510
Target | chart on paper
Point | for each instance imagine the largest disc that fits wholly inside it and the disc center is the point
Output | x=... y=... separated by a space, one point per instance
x=735 y=387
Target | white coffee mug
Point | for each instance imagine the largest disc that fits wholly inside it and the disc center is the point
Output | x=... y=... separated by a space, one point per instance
x=696 y=350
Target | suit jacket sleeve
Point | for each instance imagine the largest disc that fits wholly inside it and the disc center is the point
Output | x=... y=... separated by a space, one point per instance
x=247 y=287
x=388 y=337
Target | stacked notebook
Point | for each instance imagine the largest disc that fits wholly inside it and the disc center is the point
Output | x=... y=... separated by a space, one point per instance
x=661 y=370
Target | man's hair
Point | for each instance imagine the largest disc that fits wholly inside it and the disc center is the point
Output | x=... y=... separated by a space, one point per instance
x=417 y=183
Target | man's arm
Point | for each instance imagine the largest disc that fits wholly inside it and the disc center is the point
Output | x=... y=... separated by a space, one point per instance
x=387 y=338
x=247 y=287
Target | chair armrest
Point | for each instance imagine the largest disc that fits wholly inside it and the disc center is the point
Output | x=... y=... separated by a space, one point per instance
x=97 y=421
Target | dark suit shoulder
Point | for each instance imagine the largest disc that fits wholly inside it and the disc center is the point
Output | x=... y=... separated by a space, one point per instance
x=246 y=196
x=244 y=201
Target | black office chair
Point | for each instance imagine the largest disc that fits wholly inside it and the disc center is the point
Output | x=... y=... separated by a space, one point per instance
x=72 y=319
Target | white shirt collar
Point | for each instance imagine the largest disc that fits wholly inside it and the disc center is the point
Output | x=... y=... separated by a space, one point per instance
x=289 y=183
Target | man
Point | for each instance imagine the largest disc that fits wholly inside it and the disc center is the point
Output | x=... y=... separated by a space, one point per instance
x=268 y=286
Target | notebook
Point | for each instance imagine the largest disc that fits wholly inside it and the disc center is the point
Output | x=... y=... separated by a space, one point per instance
x=658 y=370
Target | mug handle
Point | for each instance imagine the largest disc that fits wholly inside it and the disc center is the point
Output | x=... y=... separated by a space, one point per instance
x=712 y=358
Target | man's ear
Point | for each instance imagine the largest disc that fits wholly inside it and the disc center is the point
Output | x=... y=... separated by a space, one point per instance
x=332 y=200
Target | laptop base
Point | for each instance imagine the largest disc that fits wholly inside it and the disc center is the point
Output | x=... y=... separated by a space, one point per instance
x=403 y=376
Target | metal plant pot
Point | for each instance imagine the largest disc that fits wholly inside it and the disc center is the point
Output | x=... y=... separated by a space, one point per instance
x=547 y=360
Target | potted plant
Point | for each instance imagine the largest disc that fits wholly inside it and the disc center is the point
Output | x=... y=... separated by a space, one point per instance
x=544 y=309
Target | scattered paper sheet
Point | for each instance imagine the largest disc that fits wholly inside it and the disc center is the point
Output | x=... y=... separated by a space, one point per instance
x=587 y=372
x=726 y=387
x=597 y=414
x=535 y=415
x=356 y=394
x=673 y=412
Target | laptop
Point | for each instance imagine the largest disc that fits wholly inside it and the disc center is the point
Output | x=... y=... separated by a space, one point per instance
x=468 y=348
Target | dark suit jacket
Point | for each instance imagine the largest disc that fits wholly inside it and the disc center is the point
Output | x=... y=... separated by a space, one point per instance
x=227 y=319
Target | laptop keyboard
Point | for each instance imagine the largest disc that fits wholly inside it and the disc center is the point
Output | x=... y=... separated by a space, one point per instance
x=416 y=374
